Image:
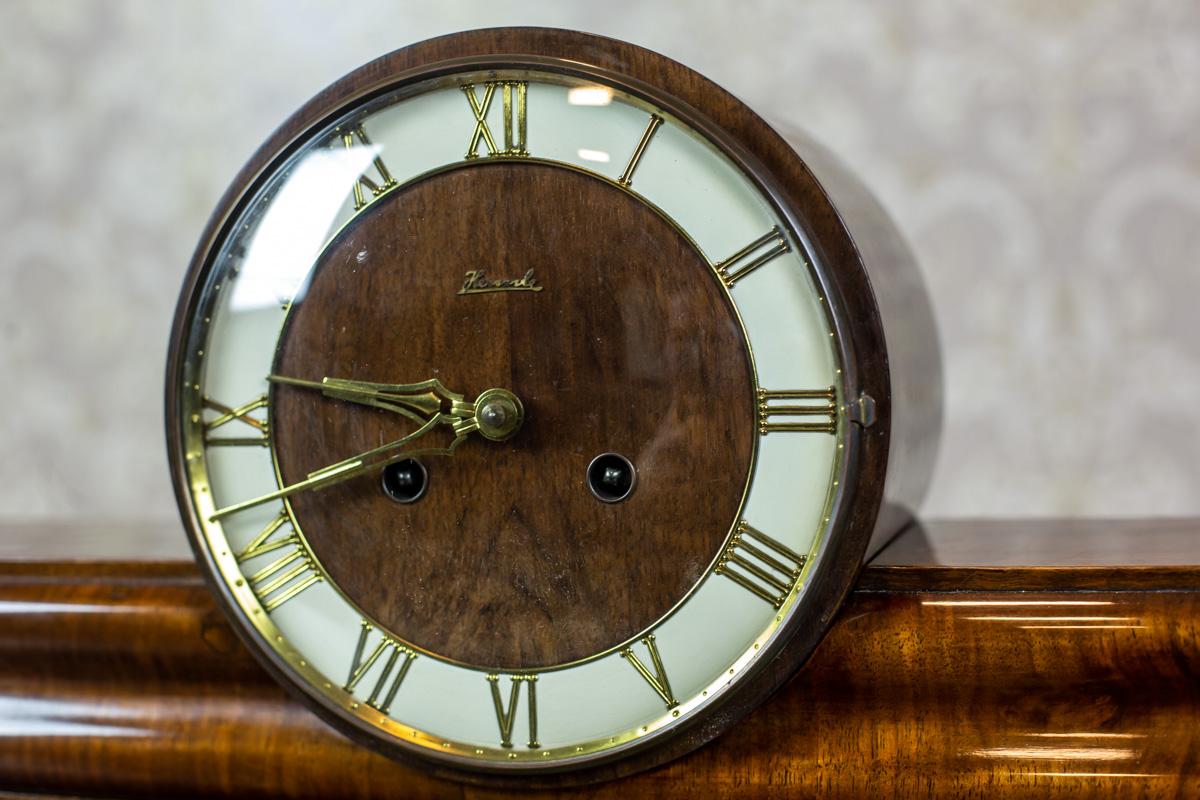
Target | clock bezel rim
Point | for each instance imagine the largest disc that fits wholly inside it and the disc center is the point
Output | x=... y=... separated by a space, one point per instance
x=857 y=497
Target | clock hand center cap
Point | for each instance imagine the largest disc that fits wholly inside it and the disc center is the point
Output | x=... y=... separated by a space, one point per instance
x=499 y=414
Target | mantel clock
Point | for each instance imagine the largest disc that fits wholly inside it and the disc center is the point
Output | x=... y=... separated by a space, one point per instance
x=532 y=404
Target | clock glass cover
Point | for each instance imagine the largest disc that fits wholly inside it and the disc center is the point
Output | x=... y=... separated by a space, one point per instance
x=510 y=417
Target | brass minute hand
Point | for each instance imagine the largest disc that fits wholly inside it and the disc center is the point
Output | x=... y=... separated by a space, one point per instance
x=496 y=414
x=420 y=402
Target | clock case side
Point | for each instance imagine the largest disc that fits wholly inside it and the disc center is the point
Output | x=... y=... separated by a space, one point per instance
x=912 y=346
x=802 y=198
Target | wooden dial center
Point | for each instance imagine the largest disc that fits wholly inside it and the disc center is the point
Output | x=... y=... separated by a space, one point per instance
x=612 y=331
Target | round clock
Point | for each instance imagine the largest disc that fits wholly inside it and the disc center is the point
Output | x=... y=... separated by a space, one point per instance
x=532 y=404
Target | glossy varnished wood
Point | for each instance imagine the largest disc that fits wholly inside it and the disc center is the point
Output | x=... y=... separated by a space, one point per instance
x=123 y=680
x=631 y=346
x=1156 y=554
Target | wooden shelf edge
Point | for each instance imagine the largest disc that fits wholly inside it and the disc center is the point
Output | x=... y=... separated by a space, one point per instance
x=123 y=680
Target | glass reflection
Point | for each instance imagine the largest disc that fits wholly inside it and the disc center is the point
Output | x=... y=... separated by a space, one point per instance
x=589 y=95
x=296 y=225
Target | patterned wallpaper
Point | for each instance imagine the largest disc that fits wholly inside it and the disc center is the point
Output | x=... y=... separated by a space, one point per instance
x=1042 y=156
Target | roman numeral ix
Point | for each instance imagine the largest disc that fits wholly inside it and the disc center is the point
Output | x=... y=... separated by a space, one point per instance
x=240 y=414
x=760 y=564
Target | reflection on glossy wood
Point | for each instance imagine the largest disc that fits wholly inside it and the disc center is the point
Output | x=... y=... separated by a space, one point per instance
x=124 y=680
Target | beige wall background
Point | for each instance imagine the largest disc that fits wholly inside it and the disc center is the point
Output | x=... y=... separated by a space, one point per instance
x=1042 y=156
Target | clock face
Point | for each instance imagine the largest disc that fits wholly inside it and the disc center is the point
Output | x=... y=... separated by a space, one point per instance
x=510 y=417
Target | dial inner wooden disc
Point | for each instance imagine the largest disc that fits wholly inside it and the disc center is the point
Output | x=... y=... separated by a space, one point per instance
x=509 y=561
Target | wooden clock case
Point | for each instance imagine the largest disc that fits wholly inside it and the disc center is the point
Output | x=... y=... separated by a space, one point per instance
x=884 y=324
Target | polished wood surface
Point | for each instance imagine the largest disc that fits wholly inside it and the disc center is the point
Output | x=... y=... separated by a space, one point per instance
x=122 y=679
x=1155 y=554
x=631 y=347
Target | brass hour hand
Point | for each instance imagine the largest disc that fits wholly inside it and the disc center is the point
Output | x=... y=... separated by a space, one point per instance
x=348 y=468
x=497 y=413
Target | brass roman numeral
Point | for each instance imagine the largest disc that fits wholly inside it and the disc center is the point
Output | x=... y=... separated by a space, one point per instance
x=648 y=134
x=348 y=136
x=760 y=564
x=240 y=414
x=513 y=94
x=752 y=256
x=286 y=576
x=822 y=403
x=658 y=680
x=264 y=543
x=506 y=718
x=359 y=667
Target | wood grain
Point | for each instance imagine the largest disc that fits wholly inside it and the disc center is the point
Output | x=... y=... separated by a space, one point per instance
x=631 y=347
x=123 y=680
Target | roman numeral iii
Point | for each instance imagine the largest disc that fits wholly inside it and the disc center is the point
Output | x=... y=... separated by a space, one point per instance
x=760 y=564
x=754 y=255
x=513 y=94
x=817 y=413
x=506 y=717
x=391 y=674
x=386 y=181
x=658 y=679
x=241 y=414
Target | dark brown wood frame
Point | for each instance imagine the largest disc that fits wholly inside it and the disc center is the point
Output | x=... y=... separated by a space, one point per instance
x=866 y=273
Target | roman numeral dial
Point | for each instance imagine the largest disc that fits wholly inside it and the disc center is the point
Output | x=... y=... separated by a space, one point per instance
x=553 y=567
